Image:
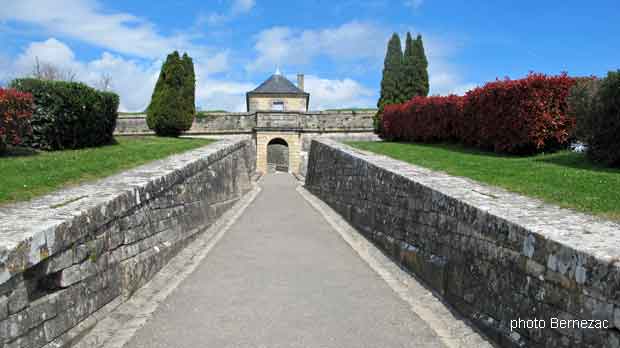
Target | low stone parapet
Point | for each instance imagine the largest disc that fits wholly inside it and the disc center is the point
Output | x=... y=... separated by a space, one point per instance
x=245 y=122
x=529 y=274
x=66 y=255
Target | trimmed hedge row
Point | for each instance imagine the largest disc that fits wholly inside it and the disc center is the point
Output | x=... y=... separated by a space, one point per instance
x=511 y=116
x=15 y=113
x=437 y=114
x=69 y=115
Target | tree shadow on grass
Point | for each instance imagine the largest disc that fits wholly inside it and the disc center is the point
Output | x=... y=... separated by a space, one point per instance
x=22 y=151
x=452 y=147
x=576 y=161
x=19 y=151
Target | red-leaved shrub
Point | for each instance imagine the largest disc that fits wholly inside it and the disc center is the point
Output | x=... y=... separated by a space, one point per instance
x=426 y=119
x=15 y=112
x=518 y=116
x=523 y=116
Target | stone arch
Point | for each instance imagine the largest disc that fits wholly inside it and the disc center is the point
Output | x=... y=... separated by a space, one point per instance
x=292 y=139
x=278 y=155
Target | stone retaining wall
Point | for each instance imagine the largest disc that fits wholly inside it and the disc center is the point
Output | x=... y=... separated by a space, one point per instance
x=493 y=255
x=65 y=256
x=244 y=122
x=215 y=123
x=306 y=140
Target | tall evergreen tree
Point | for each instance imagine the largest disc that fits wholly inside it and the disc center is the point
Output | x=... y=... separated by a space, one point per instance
x=190 y=83
x=169 y=113
x=421 y=68
x=408 y=78
x=391 y=74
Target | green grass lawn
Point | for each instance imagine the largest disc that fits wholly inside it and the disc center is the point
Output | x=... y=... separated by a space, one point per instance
x=26 y=174
x=564 y=178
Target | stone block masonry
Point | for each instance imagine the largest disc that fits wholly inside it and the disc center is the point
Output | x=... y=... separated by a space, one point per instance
x=525 y=272
x=246 y=122
x=65 y=256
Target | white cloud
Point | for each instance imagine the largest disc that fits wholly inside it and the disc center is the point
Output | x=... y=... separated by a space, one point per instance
x=213 y=64
x=361 y=43
x=222 y=95
x=84 y=20
x=132 y=79
x=351 y=41
x=331 y=94
x=238 y=7
x=242 y=6
x=324 y=93
x=52 y=51
x=123 y=33
x=445 y=79
x=445 y=83
x=414 y=3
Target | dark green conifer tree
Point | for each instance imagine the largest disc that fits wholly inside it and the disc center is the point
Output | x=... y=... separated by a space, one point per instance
x=408 y=78
x=421 y=68
x=169 y=113
x=190 y=83
x=390 y=93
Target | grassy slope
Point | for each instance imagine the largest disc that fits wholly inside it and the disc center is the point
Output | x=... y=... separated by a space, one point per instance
x=26 y=176
x=563 y=178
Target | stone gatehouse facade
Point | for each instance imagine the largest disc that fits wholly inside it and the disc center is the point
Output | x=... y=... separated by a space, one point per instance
x=277 y=93
x=293 y=129
x=277 y=120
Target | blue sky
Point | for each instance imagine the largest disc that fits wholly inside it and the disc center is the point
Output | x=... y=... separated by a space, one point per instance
x=339 y=45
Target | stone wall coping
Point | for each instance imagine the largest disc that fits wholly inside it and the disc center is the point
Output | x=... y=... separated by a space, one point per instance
x=583 y=233
x=29 y=230
x=245 y=113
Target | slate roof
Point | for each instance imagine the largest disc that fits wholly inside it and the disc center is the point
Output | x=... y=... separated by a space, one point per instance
x=277 y=84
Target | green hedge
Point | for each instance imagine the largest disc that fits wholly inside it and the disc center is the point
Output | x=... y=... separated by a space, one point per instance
x=69 y=115
x=604 y=142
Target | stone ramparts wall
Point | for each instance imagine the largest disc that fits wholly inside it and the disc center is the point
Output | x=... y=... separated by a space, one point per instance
x=495 y=256
x=243 y=122
x=215 y=123
x=68 y=256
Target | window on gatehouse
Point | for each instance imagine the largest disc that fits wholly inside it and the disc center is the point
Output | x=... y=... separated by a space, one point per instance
x=277 y=106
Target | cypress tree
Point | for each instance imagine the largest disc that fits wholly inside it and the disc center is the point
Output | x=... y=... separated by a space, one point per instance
x=408 y=75
x=392 y=65
x=190 y=84
x=421 y=68
x=169 y=113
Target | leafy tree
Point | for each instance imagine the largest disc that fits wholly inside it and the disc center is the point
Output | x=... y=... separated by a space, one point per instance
x=604 y=142
x=421 y=68
x=172 y=109
x=390 y=93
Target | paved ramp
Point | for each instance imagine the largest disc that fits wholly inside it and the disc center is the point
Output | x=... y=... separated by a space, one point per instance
x=282 y=277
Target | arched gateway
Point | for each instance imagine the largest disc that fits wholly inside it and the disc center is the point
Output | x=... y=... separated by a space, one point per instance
x=281 y=123
x=278 y=103
x=277 y=155
x=277 y=149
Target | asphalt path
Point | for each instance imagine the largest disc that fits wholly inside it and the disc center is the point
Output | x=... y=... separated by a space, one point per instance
x=282 y=277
